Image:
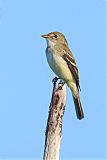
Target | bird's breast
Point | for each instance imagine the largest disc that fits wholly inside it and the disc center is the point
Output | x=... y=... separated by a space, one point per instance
x=58 y=65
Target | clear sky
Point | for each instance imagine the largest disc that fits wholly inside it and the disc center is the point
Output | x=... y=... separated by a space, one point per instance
x=25 y=77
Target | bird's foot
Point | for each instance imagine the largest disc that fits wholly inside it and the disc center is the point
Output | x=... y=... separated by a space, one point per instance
x=55 y=79
x=61 y=84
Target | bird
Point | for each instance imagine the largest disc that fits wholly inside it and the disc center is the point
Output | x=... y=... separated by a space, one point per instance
x=63 y=64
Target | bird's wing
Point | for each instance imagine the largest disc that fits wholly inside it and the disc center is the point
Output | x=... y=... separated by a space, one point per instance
x=68 y=57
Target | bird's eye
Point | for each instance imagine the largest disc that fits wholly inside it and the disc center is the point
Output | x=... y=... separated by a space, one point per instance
x=55 y=36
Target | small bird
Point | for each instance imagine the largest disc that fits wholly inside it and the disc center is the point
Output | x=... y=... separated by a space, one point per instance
x=62 y=62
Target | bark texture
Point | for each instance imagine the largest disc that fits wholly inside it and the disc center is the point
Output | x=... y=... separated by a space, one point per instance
x=54 y=123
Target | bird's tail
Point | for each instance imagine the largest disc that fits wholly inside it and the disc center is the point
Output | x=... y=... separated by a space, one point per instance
x=78 y=107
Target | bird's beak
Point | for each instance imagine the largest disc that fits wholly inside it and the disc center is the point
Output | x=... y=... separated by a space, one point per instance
x=45 y=36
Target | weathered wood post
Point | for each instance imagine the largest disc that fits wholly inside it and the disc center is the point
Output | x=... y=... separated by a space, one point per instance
x=54 y=123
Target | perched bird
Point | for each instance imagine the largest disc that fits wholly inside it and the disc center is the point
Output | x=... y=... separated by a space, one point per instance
x=62 y=62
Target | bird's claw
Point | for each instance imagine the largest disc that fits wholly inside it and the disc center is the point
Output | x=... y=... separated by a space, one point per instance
x=55 y=79
x=62 y=82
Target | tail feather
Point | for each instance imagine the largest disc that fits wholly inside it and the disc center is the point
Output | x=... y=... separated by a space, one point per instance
x=78 y=108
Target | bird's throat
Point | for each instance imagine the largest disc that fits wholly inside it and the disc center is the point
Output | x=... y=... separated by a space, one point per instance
x=50 y=43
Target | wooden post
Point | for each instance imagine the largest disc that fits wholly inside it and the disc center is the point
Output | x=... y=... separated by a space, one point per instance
x=54 y=123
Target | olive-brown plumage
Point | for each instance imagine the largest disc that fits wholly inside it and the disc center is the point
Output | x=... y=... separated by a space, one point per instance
x=62 y=62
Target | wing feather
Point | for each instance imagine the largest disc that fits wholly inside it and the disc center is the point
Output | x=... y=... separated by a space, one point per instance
x=68 y=57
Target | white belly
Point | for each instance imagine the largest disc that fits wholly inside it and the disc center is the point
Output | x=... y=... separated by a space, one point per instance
x=59 y=66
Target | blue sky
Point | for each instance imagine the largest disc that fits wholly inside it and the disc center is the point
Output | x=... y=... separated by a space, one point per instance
x=25 y=77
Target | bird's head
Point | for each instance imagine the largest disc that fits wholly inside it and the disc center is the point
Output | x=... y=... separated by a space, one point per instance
x=54 y=38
